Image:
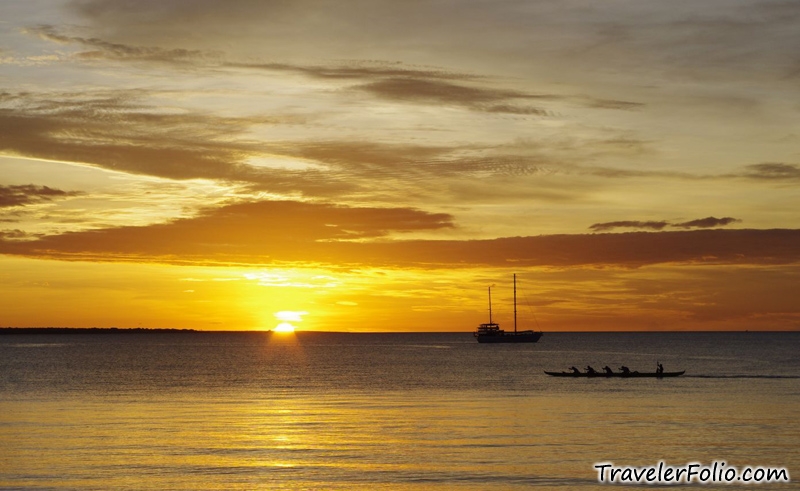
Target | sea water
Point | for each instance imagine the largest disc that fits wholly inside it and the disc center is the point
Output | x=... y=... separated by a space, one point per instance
x=194 y=410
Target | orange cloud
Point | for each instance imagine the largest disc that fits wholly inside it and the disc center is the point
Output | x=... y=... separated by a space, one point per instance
x=253 y=232
x=278 y=231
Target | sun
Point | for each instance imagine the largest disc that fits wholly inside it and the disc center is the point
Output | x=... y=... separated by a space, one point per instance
x=284 y=327
x=287 y=317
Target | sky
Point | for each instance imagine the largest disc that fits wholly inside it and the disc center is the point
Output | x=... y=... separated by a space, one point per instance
x=374 y=165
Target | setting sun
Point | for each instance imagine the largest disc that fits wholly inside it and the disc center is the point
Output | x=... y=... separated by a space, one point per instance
x=287 y=317
x=284 y=327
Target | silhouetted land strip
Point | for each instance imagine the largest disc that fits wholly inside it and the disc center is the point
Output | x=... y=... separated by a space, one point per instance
x=86 y=330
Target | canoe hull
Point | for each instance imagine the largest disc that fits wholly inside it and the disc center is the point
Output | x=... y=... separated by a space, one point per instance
x=616 y=375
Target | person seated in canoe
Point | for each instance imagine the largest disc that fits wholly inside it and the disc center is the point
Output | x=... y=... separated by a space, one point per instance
x=660 y=368
x=625 y=369
x=574 y=370
x=608 y=370
x=590 y=370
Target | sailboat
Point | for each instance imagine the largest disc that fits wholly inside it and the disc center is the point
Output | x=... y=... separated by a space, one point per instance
x=491 y=332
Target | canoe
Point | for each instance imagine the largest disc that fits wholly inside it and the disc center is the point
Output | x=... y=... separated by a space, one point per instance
x=616 y=374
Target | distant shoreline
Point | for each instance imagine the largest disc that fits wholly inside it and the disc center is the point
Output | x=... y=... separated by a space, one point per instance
x=88 y=330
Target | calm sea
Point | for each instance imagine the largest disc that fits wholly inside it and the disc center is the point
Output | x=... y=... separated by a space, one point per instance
x=193 y=410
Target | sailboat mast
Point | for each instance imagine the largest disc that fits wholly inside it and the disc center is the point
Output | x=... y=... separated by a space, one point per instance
x=490 y=305
x=515 y=303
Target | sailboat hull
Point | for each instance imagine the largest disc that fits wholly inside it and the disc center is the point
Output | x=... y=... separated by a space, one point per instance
x=520 y=337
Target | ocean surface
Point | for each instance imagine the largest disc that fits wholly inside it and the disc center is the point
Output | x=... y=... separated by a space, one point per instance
x=194 y=410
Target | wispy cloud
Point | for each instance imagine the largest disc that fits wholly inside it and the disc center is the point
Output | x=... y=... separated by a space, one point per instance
x=773 y=172
x=654 y=225
x=27 y=194
x=389 y=81
x=708 y=222
x=613 y=104
x=444 y=92
x=108 y=50
x=115 y=130
x=362 y=70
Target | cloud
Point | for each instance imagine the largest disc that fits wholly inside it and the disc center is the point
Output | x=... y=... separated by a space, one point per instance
x=27 y=194
x=708 y=222
x=429 y=91
x=119 y=130
x=117 y=51
x=115 y=130
x=262 y=231
x=613 y=104
x=601 y=227
x=396 y=82
x=272 y=232
x=362 y=70
x=701 y=39
x=15 y=235
x=773 y=172
x=627 y=250
x=385 y=80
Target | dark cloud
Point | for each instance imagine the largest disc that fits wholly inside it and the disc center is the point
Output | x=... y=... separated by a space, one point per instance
x=27 y=194
x=428 y=91
x=415 y=89
x=708 y=222
x=612 y=104
x=511 y=109
x=776 y=172
x=374 y=70
x=113 y=134
x=15 y=235
x=356 y=71
x=108 y=50
x=602 y=227
x=773 y=172
x=627 y=250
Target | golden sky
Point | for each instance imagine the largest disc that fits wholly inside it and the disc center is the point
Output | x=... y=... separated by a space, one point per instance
x=375 y=165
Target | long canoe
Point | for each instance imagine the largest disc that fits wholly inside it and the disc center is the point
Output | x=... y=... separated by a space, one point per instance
x=615 y=374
